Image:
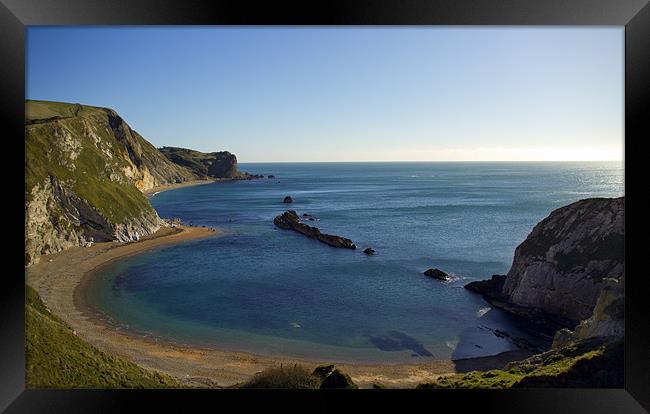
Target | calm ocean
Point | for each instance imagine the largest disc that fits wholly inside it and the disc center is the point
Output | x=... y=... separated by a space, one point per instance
x=274 y=292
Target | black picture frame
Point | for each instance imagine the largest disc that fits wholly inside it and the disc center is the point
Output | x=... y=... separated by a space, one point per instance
x=15 y=15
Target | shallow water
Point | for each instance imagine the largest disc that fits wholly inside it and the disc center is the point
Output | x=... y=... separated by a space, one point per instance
x=274 y=292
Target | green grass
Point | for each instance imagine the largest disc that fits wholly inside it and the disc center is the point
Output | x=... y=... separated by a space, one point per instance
x=590 y=364
x=57 y=358
x=90 y=177
x=35 y=110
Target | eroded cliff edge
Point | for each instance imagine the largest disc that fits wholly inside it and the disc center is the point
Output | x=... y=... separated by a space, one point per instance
x=568 y=273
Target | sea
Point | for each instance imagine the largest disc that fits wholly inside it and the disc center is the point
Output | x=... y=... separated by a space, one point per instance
x=256 y=288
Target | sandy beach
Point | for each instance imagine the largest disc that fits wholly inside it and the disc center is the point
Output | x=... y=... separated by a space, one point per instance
x=159 y=189
x=58 y=279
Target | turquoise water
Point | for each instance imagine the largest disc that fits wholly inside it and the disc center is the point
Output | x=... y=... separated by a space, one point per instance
x=274 y=292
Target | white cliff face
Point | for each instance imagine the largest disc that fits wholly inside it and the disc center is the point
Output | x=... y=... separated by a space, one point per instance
x=57 y=219
x=562 y=266
x=607 y=320
x=45 y=234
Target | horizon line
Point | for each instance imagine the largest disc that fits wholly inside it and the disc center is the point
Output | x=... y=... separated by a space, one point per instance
x=419 y=161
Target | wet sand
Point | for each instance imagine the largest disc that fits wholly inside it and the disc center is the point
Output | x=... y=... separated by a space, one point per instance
x=58 y=279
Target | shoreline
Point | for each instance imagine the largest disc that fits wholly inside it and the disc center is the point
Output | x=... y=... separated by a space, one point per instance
x=166 y=187
x=191 y=183
x=59 y=280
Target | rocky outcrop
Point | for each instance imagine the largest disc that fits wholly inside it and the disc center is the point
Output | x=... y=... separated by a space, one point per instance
x=561 y=266
x=287 y=200
x=222 y=164
x=289 y=220
x=607 y=320
x=149 y=168
x=369 y=251
x=338 y=379
x=564 y=267
x=490 y=288
x=59 y=219
x=437 y=274
x=323 y=371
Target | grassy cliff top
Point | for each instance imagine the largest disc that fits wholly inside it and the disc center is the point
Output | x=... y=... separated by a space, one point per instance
x=42 y=110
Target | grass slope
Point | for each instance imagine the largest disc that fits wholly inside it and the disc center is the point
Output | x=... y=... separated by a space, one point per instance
x=89 y=178
x=587 y=364
x=57 y=358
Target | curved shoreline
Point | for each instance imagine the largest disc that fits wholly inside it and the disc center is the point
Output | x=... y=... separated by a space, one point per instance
x=59 y=279
x=165 y=187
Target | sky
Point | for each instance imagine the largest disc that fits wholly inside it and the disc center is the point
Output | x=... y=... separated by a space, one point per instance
x=283 y=94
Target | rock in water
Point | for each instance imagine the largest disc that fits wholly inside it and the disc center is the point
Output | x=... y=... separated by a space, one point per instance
x=437 y=274
x=489 y=288
x=289 y=220
x=337 y=379
x=369 y=251
x=288 y=200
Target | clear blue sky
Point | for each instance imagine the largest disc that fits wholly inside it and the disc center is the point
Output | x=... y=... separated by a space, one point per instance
x=348 y=94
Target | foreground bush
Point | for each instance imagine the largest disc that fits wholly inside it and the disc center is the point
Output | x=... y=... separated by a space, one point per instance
x=291 y=376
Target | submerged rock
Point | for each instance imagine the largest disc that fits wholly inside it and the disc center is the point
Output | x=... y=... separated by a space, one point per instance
x=271 y=176
x=287 y=200
x=289 y=220
x=437 y=274
x=369 y=251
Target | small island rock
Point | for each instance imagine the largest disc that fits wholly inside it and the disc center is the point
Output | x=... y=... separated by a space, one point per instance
x=289 y=220
x=437 y=274
x=369 y=251
x=288 y=200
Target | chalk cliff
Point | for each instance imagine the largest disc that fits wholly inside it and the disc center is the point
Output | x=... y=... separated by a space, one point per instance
x=569 y=270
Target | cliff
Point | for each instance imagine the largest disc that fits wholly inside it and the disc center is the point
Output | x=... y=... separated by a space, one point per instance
x=85 y=170
x=220 y=164
x=568 y=270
